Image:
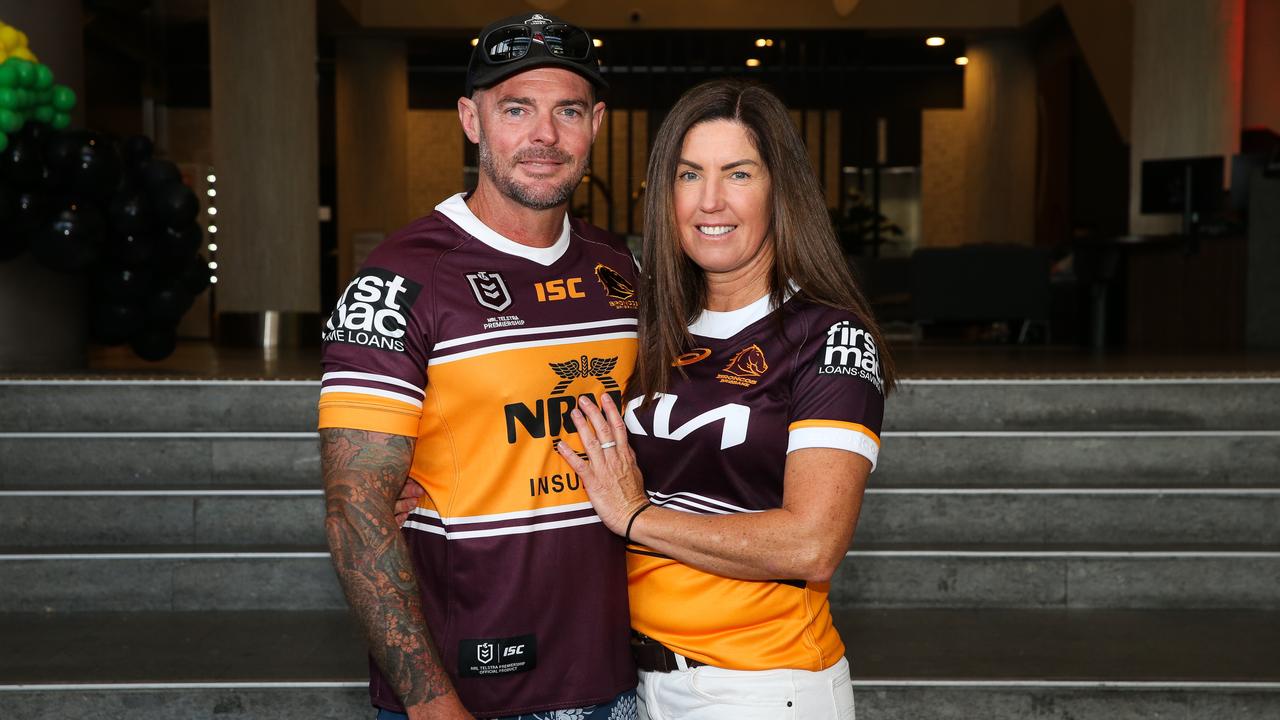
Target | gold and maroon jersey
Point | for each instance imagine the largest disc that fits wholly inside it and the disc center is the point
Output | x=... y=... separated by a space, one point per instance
x=761 y=383
x=479 y=347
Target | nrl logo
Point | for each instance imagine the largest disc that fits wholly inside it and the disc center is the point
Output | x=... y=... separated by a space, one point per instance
x=571 y=370
x=484 y=653
x=745 y=367
x=490 y=291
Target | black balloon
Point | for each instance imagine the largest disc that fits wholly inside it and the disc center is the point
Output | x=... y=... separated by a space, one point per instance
x=72 y=239
x=116 y=323
x=176 y=246
x=121 y=284
x=137 y=150
x=169 y=304
x=83 y=164
x=21 y=163
x=155 y=343
x=13 y=241
x=130 y=250
x=130 y=212
x=30 y=210
x=195 y=275
x=156 y=173
x=175 y=205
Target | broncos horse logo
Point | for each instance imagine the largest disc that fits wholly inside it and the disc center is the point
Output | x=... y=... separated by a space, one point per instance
x=615 y=286
x=571 y=370
x=749 y=362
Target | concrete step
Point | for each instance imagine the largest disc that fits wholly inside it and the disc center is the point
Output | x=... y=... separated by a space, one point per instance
x=925 y=459
x=171 y=519
x=159 y=405
x=1057 y=578
x=1003 y=665
x=1248 y=458
x=159 y=460
x=290 y=406
x=292 y=578
x=1086 y=404
x=167 y=519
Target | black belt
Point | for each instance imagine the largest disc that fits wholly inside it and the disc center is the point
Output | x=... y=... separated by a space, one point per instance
x=653 y=656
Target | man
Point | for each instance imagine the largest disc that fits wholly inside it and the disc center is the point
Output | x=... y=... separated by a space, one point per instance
x=454 y=359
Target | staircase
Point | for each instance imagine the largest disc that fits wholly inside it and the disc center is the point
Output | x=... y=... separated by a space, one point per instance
x=1028 y=549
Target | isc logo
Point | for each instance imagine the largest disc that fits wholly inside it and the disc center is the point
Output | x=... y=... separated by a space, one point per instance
x=512 y=650
x=553 y=290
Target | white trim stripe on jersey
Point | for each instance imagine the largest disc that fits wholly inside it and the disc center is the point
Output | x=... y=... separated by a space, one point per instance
x=837 y=438
x=389 y=380
x=509 y=530
x=728 y=507
x=498 y=517
x=529 y=344
x=361 y=390
x=689 y=506
x=532 y=331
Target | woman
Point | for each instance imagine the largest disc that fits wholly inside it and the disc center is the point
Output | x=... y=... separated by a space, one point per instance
x=754 y=415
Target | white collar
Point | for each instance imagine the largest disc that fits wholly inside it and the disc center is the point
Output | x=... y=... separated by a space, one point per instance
x=455 y=208
x=722 y=325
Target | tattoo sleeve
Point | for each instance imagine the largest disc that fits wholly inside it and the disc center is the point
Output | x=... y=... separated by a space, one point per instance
x=363 y=475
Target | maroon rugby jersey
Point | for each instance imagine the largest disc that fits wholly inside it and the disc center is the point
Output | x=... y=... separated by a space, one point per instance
x=761 y=383
x=478 y=347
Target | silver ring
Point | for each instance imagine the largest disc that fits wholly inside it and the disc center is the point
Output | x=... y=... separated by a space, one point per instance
x=606 y=446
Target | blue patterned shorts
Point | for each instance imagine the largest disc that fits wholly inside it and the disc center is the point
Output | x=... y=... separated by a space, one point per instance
x=622 y=707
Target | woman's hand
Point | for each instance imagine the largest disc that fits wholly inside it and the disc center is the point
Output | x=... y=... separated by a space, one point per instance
x=609 y=474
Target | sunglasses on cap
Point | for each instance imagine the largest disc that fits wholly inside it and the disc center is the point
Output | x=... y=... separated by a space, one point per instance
x=512 y=42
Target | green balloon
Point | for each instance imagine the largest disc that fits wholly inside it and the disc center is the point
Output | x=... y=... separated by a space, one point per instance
x=10 y=121
x=44 y=76
x=4 y=141
x=8 y=98
x=8 y=74
x=60 y=120
x=64 y=98
x=26 y=72
x=44 y=114
x=25 y=98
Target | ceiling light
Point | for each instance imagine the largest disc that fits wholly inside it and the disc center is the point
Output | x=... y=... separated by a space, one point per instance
x=764 y=42
x=753 y=62
x=936 y=41
x=597 y=42
x=962 y=60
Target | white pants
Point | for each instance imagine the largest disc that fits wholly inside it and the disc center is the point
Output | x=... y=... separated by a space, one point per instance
x=711 y=693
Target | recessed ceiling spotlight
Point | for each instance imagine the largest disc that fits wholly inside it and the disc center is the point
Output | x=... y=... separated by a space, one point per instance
x=597 y=42
x=753 y=62
x=764 y=42
x=936 y=41
x=962 y=60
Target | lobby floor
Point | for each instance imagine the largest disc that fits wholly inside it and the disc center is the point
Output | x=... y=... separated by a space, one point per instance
x=202 y=359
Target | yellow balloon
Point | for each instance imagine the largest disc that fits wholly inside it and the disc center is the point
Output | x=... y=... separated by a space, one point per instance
x=8 y=36
x=22 y=38
x=3 y=56
x=23 y=53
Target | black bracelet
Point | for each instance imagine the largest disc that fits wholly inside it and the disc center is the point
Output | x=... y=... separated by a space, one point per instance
x=632 y=521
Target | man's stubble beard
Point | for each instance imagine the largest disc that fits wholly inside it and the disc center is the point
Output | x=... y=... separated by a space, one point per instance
x=522 y=193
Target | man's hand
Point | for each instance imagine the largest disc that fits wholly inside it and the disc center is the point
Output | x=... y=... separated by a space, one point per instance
x=363 y=473
x=408 y=500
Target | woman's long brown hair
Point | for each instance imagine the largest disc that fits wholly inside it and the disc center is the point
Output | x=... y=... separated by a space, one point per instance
x=673 y=289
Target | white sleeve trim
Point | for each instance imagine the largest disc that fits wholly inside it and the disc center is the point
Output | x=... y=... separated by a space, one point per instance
x=837 y=438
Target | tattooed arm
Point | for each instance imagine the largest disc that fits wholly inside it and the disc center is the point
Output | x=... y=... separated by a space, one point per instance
x=363 y=474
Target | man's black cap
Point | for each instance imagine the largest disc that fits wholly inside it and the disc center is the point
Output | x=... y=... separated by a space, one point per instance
x=481 y=73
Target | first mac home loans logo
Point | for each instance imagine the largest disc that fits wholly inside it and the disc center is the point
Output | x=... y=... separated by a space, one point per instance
x=373 y=311
x=850 y=350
